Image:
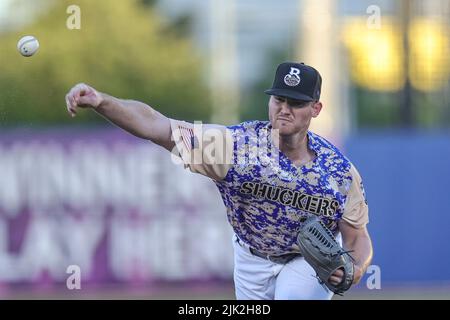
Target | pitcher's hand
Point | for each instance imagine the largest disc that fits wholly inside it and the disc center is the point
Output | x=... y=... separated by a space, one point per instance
x=82 y=96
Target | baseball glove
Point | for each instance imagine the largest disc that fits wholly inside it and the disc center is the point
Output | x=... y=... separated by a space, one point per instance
x=321 y=250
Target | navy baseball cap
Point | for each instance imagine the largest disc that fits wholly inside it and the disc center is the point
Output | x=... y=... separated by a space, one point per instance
x=296 y=81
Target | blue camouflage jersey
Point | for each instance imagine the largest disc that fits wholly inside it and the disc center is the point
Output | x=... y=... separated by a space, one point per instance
x=268 y=198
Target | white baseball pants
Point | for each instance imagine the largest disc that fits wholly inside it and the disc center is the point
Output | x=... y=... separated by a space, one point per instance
x=257 y=278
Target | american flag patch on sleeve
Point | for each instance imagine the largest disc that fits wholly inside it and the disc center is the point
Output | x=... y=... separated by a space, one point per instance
x=189 y=139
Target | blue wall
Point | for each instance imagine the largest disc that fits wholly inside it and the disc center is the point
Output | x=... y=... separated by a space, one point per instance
x=407 y=181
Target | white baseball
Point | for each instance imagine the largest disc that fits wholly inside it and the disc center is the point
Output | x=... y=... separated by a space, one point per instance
x=28 y=46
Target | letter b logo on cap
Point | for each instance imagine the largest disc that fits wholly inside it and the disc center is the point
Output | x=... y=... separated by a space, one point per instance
x=292 y=79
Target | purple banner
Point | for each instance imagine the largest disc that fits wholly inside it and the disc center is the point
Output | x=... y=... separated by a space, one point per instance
x=108 y=206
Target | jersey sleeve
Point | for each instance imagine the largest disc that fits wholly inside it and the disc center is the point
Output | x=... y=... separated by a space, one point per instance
x=204 y=149
x=356 y=210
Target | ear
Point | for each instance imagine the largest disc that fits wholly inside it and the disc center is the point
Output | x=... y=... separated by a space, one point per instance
x=316 y=108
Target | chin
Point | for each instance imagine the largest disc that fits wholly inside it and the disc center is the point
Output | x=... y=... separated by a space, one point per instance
x=284 y=128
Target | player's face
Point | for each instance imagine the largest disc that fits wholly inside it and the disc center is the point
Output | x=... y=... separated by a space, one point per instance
x=292 y=116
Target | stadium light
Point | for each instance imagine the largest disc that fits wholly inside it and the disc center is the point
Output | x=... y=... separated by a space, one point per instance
x=429 y=58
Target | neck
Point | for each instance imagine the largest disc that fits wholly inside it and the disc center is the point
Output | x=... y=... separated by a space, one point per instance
x=295 y=146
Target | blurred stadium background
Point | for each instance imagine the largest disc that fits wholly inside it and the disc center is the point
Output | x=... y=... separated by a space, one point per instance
x=81 y=192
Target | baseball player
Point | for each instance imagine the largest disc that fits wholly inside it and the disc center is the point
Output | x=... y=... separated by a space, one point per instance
x=271 y=175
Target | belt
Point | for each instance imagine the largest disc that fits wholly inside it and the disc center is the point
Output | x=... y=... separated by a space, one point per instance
x=280 y=259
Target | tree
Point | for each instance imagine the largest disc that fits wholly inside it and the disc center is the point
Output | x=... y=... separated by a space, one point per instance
x=123 y=48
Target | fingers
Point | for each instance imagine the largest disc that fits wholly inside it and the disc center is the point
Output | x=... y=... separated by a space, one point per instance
x=78 y=91
x=335 y=280
x=71 y=107
x=337 y=277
